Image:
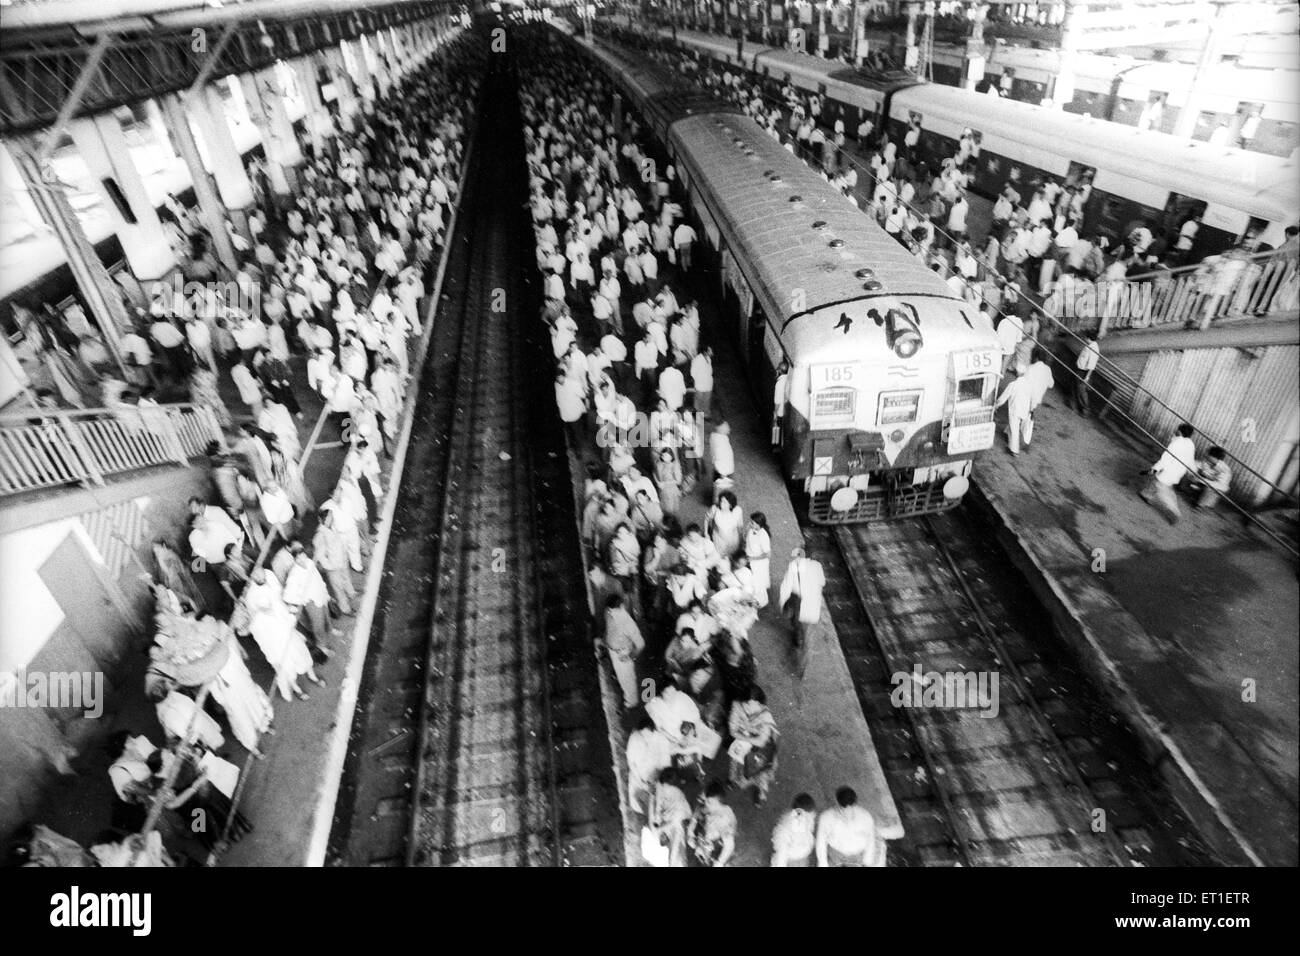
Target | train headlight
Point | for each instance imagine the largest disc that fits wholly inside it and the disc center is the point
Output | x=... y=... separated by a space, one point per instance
x=844 y=499
x=907 y=344
x=902 y=329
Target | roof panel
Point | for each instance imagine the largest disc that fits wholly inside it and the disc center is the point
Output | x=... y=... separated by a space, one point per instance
x=780 y=248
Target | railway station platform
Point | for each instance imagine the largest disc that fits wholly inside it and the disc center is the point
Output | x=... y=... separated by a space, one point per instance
x=1189 y=629
x=825 y=742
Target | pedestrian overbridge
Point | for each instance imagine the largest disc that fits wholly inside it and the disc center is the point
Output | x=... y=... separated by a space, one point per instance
x=1216 y=345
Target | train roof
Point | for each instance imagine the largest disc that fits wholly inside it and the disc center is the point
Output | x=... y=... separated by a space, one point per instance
x=1259 y=184
x=664 y=95
x=783 y=252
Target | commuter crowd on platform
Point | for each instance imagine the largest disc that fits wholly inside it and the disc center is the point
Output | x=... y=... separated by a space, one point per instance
x=1037 y=267
x=676 y=597
x=329 y=290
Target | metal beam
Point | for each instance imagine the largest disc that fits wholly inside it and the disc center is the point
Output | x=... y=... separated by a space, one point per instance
x=89 y=70
x=211 y=62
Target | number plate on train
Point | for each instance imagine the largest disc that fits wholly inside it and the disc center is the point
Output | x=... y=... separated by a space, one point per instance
x=981 y=362
x=971 y=438
x=842 y=374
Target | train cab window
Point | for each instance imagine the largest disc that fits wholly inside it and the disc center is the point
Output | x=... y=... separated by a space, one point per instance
x=971 y=389
x=899 y=408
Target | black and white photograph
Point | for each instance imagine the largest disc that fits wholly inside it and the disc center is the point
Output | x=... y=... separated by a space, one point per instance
x=647 y=434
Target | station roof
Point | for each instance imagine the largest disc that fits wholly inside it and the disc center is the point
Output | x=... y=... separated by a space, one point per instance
x=120 y=16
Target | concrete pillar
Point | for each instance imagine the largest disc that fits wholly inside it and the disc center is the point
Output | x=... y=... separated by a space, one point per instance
x=913 y=55
x=364 y=78
x=266 y=109
x=382 y=68
x=97 y=287
x=1209 y=58
x=213 y=212
x=1072 y=27
x=317 y=119
x=344 y=86
x=207 y=112
x=101 y=143
x=159 y=126
x=973 y=65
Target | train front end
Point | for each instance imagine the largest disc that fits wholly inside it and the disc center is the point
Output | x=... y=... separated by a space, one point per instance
x=887 y=406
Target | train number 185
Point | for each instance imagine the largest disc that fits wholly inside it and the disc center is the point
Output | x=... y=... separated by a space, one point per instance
x=976 y=362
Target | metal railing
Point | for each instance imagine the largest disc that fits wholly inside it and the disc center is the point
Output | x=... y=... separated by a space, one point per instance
x=46 y=448
x=1220 y=289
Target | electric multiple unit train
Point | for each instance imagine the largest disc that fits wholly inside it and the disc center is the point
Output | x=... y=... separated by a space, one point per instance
x=1134 y=174
x=887 y=379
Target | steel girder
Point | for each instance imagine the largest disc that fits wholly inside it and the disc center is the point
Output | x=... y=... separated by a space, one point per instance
x=39 y=71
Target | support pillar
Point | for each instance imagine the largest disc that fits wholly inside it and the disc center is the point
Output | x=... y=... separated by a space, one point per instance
x=317 y=119
x=381 y=69
x=365 y=79
x=208 y=113
x=1209 y=58
x=97 y=288
x=101 y=143
x=973 y=64
x=214 y=214
x=1062 y=87
x=344 y=86
x=266 y=109
x=912 y=57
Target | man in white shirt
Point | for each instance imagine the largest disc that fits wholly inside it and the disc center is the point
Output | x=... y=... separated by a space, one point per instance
x=1084 y=366
x=846 y=834
x=1169 y=471
x=801 y=601
x=702 y=382
x=794 y=838
x=683 y=238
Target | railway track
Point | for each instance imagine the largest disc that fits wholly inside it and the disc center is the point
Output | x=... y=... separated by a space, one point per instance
x=478 y=742
x=1047 y=777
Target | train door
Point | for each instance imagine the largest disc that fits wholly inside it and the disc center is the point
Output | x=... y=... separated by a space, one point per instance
x=1178 y=209
x=1079 y=177
x=756 y=329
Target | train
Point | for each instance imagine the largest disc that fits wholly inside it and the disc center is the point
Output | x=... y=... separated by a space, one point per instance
x=1135 y=174
x=887 y=379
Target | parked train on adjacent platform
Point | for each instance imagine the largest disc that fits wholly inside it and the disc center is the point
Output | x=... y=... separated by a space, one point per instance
x=888 y=379
x=1135 y=174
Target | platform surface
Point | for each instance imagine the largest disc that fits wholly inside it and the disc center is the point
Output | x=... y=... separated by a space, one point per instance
x=1181 y=617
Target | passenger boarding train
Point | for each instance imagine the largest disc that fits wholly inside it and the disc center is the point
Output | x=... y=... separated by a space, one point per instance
x=891 y=379
x=1135 y=174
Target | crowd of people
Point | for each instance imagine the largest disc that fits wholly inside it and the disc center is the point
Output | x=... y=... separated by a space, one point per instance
x=327 y=297
x=1035 y=268
x=677 y=597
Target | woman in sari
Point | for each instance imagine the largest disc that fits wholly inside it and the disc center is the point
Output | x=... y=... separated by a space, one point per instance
x=667 y=815
x=624 y=562
x=726 y=520
x=711 y=833
x=668 y=479
x=275 y=630
x=758 y=548
x=734 y=606
x=753 y=749
x=248 y=709
x=204 y=393
x=175 y=576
